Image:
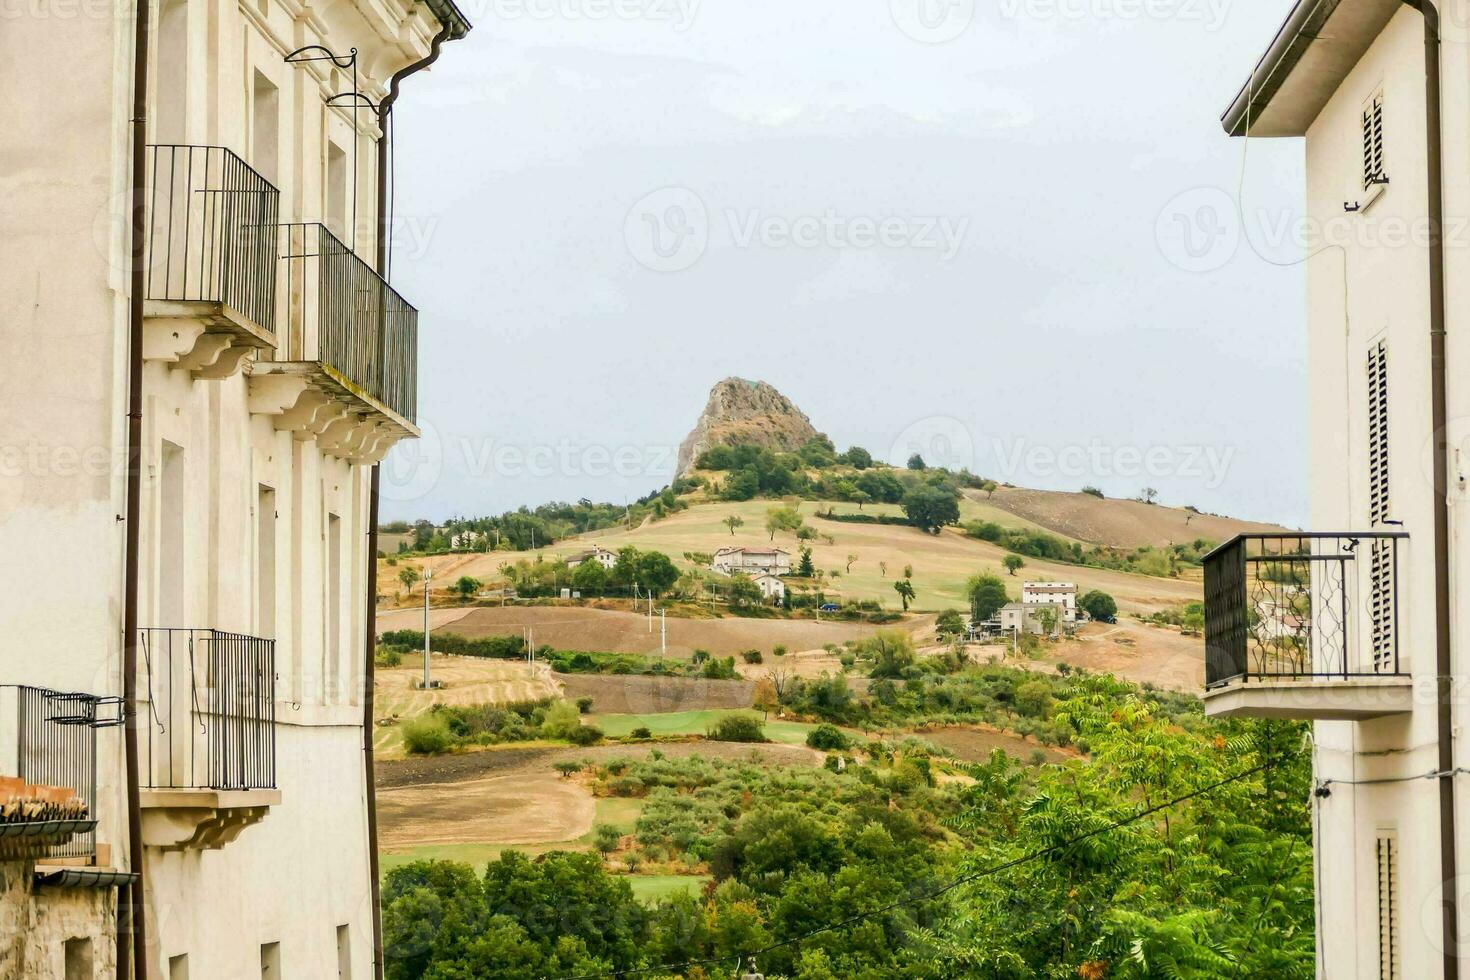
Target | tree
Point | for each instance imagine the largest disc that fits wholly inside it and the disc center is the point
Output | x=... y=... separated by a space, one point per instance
x=857 y=457
x=409 y=576
x=656 y=571
x=806 y=533
x=1012 y=562
x=987 y=594
x=1099 y=606
x=766 y=699
x=743 y=591
x=805 y=568
x=567 y=767
x=732 y=522
x=989 y=486
x=949 y=623
x=931 y=507
x=467 y=586
x=1150 y=495
x=782 y=519
x=892 y=652
x=859 y=497
x=905 y=590
x=589 y=577
x=916 y=462
x=606 y=838
x=908 y=571
x=1093 y=491
x=850 y=560
x=883 y=569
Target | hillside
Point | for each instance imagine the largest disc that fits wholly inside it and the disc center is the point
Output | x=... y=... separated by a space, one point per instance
x=1115 y=523
x=751 y=412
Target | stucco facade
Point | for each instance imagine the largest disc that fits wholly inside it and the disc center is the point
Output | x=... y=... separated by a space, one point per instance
x=1376 y=815
x=265 y=405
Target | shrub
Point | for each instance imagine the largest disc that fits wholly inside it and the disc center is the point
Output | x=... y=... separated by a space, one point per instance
x=827 y=737
x=751 y=656
x=567 y=767
x=779 y=650
x=641 y=731
x=427 y=736
x=606 y=837
x=561 y=720
x=584 y=705
x=387 y=657
x=738 y=728
x=585 y=735
x=1093 y=491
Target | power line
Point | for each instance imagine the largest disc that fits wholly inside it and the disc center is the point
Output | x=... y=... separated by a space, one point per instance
x=934 y=892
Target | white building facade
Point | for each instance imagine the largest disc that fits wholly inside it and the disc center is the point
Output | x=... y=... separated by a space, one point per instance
x=751 y=561
x=1355 y=625
x=607 y=559
x=1062 y=595
x=277 y=367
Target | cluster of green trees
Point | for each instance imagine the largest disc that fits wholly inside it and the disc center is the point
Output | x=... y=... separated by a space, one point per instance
x=445 y=728
x=1162 y=562
x=1172 y=851
x=649 y=570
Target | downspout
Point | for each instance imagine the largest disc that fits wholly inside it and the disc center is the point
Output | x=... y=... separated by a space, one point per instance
x=131 y=911
x=371 y=640
x=1443 y=661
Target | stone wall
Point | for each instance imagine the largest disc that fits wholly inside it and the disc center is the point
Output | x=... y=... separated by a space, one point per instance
x=37 y=923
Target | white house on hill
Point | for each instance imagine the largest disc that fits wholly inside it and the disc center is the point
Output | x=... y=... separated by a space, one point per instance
x=607 y=559
x=1063 y=595
x=751 y=561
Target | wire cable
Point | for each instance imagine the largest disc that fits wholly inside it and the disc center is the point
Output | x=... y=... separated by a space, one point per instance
x=934 y=892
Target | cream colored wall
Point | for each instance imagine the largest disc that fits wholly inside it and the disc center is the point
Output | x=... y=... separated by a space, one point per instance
x=303 y=871
x=1386 y=295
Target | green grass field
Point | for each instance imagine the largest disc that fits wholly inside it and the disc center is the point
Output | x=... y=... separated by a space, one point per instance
x=650 y=888
x=695 y=723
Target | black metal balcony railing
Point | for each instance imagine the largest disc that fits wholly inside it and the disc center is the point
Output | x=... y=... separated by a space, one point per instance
x=53 y=745
x=211 y=709
x=1304 y=605
x=211 y=231
x=341 y=312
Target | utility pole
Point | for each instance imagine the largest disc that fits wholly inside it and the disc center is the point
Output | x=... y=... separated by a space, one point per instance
x=427 y=575
x=663 y=635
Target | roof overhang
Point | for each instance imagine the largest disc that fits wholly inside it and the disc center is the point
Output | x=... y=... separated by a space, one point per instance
x=447 y=14
x=1312 y=53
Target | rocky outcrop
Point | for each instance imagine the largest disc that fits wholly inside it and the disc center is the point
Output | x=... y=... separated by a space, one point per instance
x=746 y=411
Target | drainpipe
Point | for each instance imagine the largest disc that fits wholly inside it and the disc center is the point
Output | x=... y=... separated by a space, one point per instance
x=131 y=910
x=369 y=778
x=1443 y=662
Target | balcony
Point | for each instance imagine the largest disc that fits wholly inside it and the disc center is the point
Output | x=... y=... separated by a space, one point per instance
x=48 y=773
x=1305 y=626
x=347 y=371
x=208 y=767
x=210 y=286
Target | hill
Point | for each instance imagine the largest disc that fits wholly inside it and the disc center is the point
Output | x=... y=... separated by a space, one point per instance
x=1114 y=523
x=750 y=412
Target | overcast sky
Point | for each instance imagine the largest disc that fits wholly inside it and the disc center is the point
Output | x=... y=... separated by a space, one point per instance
x=1001 y=232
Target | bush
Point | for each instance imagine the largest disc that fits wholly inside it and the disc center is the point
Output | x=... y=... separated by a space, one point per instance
x=641 y=732
x=779 y=650
x=738 y=728
x=387 y=657
x=751 y=656
x=828 y=738
x=584 y=705
x=1100 y=606
x=1092 y=491
x=562 y=719
x=427 y=736
x=585 y=735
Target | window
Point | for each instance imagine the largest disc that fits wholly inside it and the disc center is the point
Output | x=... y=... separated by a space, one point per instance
x=265 y=127
x=170 y=119
x=334 y=601
x=1374 y=176
x=344 y=953
x=1388 y=906
x=265 y=561
x=337 y=190
x=171 y=610
x=78 y=959
x=270 y=961
x=1380 y=556
x=178 y=967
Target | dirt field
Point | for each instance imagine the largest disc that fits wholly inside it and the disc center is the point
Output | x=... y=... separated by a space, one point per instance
x=614 y=631
x=1119 y=523
x=413 y=618
x=634 y=694
x=1133 y=651
x=467 y=680
x=524 y=808
x=974 y=743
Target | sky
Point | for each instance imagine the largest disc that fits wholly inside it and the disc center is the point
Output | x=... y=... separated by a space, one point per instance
x=1008 y=234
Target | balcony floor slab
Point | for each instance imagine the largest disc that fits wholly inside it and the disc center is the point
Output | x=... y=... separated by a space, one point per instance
x=1313 y=699
x=201 y=819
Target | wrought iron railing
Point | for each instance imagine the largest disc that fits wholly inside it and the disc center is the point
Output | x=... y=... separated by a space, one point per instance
x=50 y=758
x=211 y=231
x=211 y=709
x=342 y=313
x=1302 y=605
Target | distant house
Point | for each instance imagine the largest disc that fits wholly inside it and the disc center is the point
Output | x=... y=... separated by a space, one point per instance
x=1060 y=594
x=772 y=588
x=607 y=559
x=1028 y=617
x=467 y=541
x=751 y=561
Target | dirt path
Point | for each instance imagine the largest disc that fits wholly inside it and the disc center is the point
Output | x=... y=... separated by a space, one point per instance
x=413 y=618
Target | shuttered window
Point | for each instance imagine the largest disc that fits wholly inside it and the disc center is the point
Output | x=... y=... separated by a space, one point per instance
x=1380 y=556
x=1373 y=142
x=1388 y=907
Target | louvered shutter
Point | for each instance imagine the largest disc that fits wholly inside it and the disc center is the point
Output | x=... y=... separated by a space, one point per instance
x=1388 y=907
x=1373 y=142
x=1380 y=555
